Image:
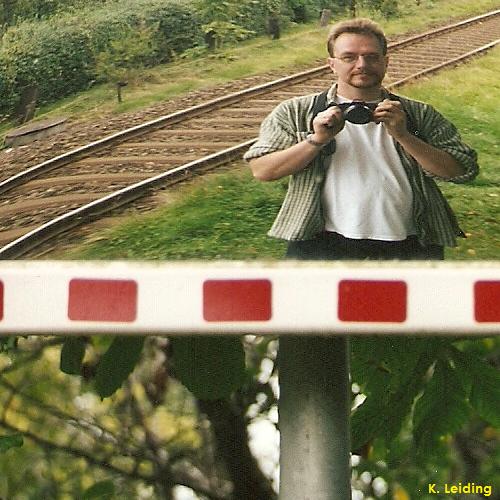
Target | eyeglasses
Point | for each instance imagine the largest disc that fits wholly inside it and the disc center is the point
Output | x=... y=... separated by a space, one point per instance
x=369 y=58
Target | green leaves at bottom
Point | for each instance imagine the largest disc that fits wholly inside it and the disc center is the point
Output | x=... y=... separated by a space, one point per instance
x=117 y=364
x=442 y=409
x=210 y=367
x=12 y=441
x=484 y=379
x=391 y=373
x=72 y=353
x=103 y=490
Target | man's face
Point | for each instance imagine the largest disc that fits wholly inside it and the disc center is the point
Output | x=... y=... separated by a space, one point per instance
x=358 y=61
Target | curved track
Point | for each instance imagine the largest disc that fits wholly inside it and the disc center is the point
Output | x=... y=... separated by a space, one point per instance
x=71 y=189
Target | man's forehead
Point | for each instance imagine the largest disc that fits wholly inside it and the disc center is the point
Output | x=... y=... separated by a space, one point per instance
x=357 y=41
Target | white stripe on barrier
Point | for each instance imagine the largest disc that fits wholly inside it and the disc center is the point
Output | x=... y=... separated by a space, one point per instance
x=51 y=297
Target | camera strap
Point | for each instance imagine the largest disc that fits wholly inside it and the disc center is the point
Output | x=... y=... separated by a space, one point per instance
x=321 y=103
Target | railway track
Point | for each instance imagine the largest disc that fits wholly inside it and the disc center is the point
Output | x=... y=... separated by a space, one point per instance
x=80 y=186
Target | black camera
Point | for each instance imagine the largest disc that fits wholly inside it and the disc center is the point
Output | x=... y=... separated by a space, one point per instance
x=358 y=112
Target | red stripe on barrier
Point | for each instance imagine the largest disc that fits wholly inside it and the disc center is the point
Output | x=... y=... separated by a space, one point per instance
x=372 y=301
x=102 y=300
x=487 y=301
x=237 y=300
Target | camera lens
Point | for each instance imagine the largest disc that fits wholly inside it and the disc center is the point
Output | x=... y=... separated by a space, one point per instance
x=358 y=113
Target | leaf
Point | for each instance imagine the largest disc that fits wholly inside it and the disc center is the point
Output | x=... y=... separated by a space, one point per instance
x=117 y=363
x=102 y=490
x=379 y=364
x=383 y=413
x=484 y=395
x=442 y=409
x=391 y=373
x=12 y=441
x=8 y=343
x=210 y=367
x=72 y=353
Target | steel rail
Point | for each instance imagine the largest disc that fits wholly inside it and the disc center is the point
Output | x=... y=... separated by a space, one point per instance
x=450 y=62
x=450 y=27
x=90 y=211
x=124 y=196
x=194 y=111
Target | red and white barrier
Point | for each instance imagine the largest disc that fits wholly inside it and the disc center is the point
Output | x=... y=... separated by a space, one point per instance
x=41 y=297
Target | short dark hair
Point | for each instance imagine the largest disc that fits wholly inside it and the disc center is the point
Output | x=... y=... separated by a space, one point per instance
x=359 y=26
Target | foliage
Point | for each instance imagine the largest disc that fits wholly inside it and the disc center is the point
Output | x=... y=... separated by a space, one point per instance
x=103 y=490
x=126 y=56
x=386 y=8
x=56 y=60
x=136 y=48
x=77 y=446
x=225 y=32
x=389 y=8
x=197 y=364
x=59 y=54
x=223 y=21
x=117 y=364
x=16 y=11
x=12 y=441
x=72 y=354
x=433 y=381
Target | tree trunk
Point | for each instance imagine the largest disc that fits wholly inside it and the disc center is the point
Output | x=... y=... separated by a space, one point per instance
x=211 y=40
x=25 y=110
x=229 y=428
x=326 y=15
x=274 y=27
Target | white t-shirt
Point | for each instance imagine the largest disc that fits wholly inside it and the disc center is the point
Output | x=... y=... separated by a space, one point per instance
x=367 y=194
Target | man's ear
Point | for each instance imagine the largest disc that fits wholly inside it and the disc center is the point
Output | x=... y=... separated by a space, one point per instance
x=331 y=63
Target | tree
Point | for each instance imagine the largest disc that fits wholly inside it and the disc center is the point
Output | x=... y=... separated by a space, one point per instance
x=220 y=22
x=426 y=410
x=127 y=56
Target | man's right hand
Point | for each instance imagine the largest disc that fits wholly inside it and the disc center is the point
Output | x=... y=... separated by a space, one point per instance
x=328 y=124
x=278 y=164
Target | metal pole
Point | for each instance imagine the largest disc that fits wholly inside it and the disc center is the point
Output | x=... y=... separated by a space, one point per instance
x=314 y=408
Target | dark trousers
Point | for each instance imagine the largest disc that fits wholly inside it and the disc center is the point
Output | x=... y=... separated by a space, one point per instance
x=333 y=246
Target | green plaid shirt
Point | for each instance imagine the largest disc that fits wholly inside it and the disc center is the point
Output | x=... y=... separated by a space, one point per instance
x=301 y=217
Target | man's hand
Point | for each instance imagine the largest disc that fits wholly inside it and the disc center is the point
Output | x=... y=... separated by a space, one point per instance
x=328 y=124
x=392 y=115
x=430 y=158
x=278 y=164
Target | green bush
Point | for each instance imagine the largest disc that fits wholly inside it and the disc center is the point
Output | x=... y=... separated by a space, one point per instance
x=59 y=54
x=58 y=61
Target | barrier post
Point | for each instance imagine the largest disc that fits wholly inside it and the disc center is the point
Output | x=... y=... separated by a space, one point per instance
x=314 y=408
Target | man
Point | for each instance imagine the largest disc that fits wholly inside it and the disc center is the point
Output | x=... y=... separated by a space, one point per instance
x=362 y=191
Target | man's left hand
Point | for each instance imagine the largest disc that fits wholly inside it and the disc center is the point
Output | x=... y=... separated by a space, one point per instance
x=391 y=114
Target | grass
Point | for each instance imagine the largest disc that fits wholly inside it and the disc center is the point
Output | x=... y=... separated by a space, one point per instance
x=226 y=216
x=252 y=57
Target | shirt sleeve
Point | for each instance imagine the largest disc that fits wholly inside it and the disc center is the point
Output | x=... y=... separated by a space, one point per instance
x=442 y=134
x=276 y=132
